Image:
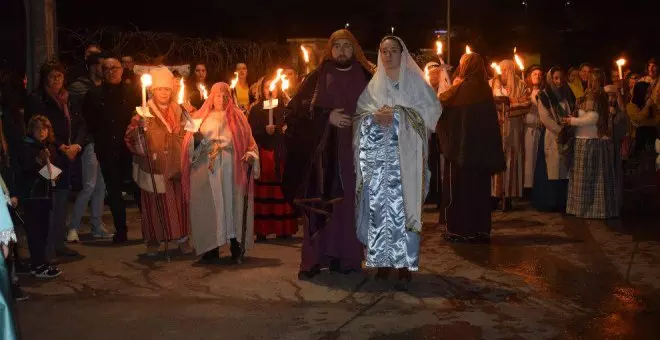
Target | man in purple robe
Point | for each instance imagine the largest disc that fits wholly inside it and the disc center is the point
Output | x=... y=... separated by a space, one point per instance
x=319 y=175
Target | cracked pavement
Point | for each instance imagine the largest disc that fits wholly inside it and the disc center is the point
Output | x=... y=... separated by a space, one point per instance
x=543 y=277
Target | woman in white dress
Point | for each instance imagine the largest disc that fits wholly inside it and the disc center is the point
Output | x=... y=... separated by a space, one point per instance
x=215 y=161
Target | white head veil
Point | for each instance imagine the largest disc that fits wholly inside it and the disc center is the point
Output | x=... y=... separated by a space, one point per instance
x=413 y=93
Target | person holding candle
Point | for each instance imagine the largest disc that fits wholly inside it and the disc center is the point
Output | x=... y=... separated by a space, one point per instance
x=198 y=77
x=108 y=110
x=592 y=180
x=471 y=143
x=533 y=127
x=164 y=135
x=510 y=88
x=555 y=101
x=272 y=213
x=241 y=92
x=397 y=112
x=294 y=81
x=319 y=174
x=215 y=161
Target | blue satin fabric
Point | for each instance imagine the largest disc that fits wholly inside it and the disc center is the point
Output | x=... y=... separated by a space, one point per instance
x=388 y=242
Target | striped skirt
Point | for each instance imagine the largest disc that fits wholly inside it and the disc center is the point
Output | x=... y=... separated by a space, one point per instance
x=272 y=214
x=592 y=180
x=175 y=214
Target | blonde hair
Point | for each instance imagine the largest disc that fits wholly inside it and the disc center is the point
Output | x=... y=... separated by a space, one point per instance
x=40 y=119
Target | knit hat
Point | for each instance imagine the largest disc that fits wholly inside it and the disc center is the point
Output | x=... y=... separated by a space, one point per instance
x=162 y=77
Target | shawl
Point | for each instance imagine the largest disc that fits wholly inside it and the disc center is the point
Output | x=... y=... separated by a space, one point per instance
x=241 y=138
x=420 y=110
x=358 y=53
x=468 y=130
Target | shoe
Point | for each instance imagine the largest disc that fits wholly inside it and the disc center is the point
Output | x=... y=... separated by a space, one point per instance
x=383 y=273
x=119 y=238
x=235 y=250
x=309 y=274
x=45 y=271
x=72 y=236
x=210 y=257
x=64 y=251
x=102 y=233
x=18 y=294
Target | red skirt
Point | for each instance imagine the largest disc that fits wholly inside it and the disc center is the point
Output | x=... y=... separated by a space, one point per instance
x=272 y=214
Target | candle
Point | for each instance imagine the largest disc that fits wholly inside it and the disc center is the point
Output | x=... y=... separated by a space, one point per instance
x=497 y=68
x=392 y=30
x=620 y=64
x=233 y=86
x=146 y=82
x=438 y=50
x=520 y=63
x=468 y=50
x=181 y=92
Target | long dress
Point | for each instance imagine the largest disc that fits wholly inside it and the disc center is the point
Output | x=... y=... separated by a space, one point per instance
x=7 y=235
x=165 y=134
x=392 y=165
x=510 y=183
x=533 y=128
x=216 y=202
x=272 y=213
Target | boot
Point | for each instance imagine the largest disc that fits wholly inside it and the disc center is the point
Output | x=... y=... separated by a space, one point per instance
x=235 y=249
x=210 y=257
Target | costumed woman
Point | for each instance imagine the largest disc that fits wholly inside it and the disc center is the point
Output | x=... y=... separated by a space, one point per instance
x=7 y=236
x=272 y=213
x=398 y=110
x=215 y=160
x=471 y=143
x=556 y=101
x=592 y=179
x=510 y=88
x=164 y=134
x=533 y=127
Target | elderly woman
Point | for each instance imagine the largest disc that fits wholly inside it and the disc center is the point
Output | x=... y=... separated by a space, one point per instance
x=163 y=135
x=216 y=158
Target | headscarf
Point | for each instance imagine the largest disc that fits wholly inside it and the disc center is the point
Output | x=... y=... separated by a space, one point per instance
x=358 y=53
x=528 y=78
x=474 y=85
x=241 y=137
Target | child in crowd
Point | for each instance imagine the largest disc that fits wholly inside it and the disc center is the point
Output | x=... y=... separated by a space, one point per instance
x=36 y=189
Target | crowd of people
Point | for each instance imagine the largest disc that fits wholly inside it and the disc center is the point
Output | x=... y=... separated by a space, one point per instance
x=353 y=148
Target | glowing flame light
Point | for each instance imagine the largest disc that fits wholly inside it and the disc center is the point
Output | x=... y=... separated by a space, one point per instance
x=438 y=47
x=181 y=92
x=620 y=64
x=427 y=76
x=146 y=80
x=234 y=81
x=305 y=53
x=497 y=68
x=468 y=50
x=519 y=61
x=203 y=92
x=285 y=83
x=278 y=77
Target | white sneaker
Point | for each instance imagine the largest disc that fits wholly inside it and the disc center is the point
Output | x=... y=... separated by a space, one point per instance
x=72 y=237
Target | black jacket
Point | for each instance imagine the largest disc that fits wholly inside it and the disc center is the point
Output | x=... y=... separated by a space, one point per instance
x=108 y=110
x=30 y=184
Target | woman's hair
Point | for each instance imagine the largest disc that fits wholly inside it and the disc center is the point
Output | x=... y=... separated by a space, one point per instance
x=596 y=94
x=46 y=69
x=39 y=119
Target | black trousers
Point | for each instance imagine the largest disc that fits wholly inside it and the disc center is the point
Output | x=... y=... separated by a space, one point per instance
x=37 y=225
x=114 y=175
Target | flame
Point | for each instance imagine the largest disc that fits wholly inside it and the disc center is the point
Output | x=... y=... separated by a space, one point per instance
x=203 y=92
x=305 y=53
x=234 y=81
x=427 y=75
x=438 y=47
x=519 y=61
x=468 y=50
x=181 y=92
x=515 y=49
x=285 y=83
x=497 y=68
x=278 y=77
x=621 y=62
x=146 y=80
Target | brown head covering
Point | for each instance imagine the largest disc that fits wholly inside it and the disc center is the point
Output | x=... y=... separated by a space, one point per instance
x=358 y=53
x=474 y=86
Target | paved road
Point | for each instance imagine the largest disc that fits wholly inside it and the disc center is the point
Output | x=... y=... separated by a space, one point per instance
x=543 y=277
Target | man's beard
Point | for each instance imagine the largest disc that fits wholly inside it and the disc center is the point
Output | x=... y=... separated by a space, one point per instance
x=343 y=63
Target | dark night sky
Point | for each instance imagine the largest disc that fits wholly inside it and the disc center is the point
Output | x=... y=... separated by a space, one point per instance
x=591 y=30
